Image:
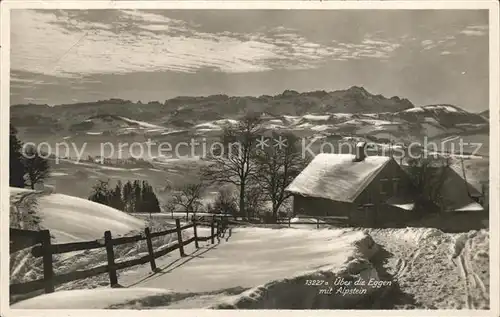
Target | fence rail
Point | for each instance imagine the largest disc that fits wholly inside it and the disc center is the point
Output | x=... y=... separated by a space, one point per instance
x=318 y=221
x=46 y=250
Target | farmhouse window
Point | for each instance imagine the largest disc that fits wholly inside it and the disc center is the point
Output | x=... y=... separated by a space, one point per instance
x=368 y=197
x=395 y=185
x=384 y=187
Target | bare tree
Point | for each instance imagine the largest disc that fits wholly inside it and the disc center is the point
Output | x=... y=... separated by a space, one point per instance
x=101 y=192
x=169 y=206
x=277 y=167
x=36 y=167
x=189 y=198
x=255 y=200
x=235 y=163
x=225 y=202
x=428 y=176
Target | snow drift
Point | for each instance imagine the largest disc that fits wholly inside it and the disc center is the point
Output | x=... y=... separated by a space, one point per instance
x=338 y=289
x=87 y=299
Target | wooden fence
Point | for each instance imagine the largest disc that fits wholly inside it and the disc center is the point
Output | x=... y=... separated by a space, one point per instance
x=337 y=221
x=45 y=250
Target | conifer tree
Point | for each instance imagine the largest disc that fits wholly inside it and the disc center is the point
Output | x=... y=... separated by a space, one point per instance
x=150 y=201
x=137 y=196
x=16 y=167
x=142 y=202
x=116 y=197
x=131 y=197
x=128 y=196
x=154 y=204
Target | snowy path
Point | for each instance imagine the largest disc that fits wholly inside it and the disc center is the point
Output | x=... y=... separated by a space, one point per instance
x=438 y=270
x=249 y=268
x=256 y=267
x=475 y=289
x=249 y=258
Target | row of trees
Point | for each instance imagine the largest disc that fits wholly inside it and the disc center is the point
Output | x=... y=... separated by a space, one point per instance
x=428 y=175
x=134 y=196
x=27 y=167
x=249 y=162
x=261 y=168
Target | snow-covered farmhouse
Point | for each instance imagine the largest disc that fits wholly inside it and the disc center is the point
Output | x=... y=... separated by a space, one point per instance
x=367 y=190
x=377 y=191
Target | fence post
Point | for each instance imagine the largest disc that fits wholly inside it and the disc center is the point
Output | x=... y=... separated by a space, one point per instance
x=48 y=271
x=289 y=221
x=212 y=230
x=179 y=236
x=217 y=227
x=150 y=249
x=195 y=233
x=317 y=223
x=108 y=241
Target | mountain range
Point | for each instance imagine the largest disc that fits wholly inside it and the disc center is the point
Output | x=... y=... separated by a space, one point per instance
x=350 y=112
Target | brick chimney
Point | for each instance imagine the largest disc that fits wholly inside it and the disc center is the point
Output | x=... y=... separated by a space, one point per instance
x=360 y=152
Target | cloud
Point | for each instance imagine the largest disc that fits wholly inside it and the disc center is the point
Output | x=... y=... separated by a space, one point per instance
x=472 y=32
x=22 y=80
x=429 y=44
x=35 y=99
x=89 y=51
x=475 y=30
x=445 y=43
x=68 y=44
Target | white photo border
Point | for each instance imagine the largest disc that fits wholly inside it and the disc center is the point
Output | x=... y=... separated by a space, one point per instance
x=492 y=6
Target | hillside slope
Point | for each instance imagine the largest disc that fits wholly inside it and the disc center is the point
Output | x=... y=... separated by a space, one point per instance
x=71 y=219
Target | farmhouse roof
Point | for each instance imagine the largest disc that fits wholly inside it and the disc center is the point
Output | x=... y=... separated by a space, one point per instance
x=456 y=193
x=337 y=176
x=469 y=175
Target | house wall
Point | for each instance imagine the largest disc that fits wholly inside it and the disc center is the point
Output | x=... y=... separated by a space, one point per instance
x=320 y=207
x=381 y=188
x=379 y=191
x=455 y=221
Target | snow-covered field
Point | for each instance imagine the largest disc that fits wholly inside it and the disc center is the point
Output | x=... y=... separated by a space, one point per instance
x=241 y=273
x=422 y=268
x=262 y=268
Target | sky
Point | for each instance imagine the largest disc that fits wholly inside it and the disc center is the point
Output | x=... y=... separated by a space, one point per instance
x=72 y=56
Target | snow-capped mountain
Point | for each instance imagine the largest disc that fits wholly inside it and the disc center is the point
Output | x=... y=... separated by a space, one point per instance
x=353 y=111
